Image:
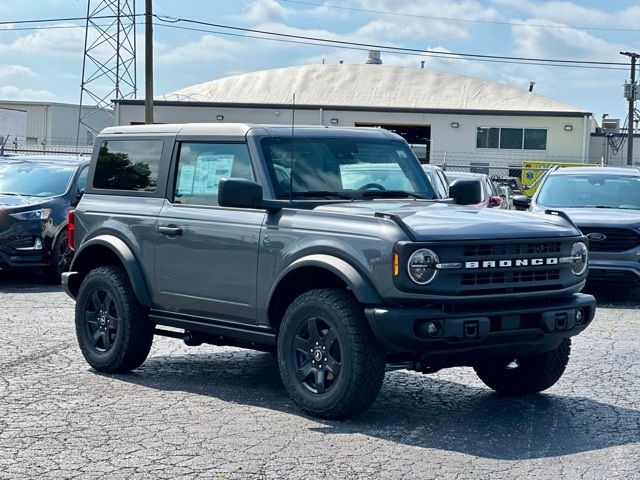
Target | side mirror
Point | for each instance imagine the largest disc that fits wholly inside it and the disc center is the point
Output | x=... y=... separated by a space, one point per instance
x=521 y=202
x=239 y=193
x=466 y=192
x=495 y=201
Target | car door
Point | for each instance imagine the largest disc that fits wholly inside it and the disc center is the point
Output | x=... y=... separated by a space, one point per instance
x=207 y=255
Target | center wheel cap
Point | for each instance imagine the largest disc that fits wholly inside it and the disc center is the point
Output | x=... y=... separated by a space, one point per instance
x=317 y=355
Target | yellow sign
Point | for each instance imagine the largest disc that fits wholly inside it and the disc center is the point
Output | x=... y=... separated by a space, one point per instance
x=534 y=170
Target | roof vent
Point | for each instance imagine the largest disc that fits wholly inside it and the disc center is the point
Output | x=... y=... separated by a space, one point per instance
x=374 y=58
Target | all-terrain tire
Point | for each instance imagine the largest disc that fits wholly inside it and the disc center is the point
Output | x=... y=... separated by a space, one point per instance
x=112 y=327
x=343 y=329
x=535 y=373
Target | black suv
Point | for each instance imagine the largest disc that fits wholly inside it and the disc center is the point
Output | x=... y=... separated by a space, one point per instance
x=36 y=193
x=328 y=246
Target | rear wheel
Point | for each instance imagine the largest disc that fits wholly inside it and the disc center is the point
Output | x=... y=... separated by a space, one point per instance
x=330 y=363
x=113 y=329
x=529 y=375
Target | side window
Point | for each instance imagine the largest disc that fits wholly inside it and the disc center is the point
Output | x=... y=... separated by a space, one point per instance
x=81 y=182
x=128 y=165
x=201 y=166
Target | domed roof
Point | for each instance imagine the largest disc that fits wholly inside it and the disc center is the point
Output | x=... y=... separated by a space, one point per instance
x=368 y=86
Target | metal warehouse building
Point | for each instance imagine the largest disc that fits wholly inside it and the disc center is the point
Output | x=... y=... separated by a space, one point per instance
x=443 y=116
x=53 y=123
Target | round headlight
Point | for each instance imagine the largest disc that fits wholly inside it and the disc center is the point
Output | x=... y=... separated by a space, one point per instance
x=422 y=266
x=579 y=258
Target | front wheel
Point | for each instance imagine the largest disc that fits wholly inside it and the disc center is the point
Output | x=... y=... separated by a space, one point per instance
x=61 y=257
x=330 y=363
x=530 y=375
x=113 y=328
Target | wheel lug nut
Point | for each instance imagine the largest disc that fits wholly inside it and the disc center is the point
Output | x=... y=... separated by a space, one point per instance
x=324 y=348
x=325 y=359
x=317 y=343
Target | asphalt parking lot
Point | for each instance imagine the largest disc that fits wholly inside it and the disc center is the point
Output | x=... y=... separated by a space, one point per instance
x=211 y=412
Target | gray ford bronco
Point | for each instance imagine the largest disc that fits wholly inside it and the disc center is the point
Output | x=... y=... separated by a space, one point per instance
x=326 y=245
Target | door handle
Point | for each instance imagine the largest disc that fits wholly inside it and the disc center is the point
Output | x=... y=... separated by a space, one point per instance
x=170 y=230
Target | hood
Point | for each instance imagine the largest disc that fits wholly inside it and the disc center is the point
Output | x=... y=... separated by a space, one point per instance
x=441 y=221
x=18 y=201
x=604 y=217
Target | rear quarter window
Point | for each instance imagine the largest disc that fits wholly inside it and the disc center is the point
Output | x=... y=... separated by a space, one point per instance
x=130 y=165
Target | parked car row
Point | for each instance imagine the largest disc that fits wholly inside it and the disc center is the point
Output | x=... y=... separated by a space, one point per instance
x=36 y=193
x=604 y=203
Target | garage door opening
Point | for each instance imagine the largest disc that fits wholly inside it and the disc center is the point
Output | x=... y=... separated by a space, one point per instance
x=417 y=136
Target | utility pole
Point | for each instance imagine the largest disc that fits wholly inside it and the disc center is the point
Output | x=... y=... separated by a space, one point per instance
x=148 y=63
x=632 y=100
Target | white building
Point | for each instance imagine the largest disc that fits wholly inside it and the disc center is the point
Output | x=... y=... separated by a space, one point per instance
x=51 y=123
x=13 y=127
x=444 y=116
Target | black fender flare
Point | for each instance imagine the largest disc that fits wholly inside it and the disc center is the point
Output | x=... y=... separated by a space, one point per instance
x=126 y=257
x=362 y=289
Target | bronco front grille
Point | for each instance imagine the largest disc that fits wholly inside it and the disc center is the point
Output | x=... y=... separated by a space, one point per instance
x=505 y=277
x=490 y=250
x=617 y=239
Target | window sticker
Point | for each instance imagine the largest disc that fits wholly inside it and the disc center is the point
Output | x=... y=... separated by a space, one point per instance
x=209 y=170
x=187 y=177
x=401 y=153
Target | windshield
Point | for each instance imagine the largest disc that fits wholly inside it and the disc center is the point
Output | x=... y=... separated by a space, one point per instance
x=34 y=179
x=350 y=168
x=597 y=190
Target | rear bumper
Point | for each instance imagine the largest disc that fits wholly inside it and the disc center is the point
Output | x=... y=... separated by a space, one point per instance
x=469 y=336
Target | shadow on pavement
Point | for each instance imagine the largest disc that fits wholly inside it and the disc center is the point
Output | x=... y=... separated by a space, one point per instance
x=16 y=281
x=413 y=410
x=615 y=297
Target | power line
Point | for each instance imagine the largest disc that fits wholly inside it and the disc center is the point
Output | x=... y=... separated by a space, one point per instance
x=168 y=19
x=59 y=19
x=461 y=20
x=445 y=55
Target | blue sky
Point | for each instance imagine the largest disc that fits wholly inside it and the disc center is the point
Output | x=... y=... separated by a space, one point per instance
x=46 y=64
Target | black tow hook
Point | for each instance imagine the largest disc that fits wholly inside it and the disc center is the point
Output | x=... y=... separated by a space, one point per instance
x=192 y=339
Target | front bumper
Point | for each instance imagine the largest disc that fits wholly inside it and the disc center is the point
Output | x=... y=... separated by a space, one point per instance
x=16 y=258
x=473 y=333
x=615 y=268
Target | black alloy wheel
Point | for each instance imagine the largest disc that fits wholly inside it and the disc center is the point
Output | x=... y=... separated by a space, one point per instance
x=330 y=363
x=64 y=254
x=316 y=355
x=101 y=320
x=113 y=328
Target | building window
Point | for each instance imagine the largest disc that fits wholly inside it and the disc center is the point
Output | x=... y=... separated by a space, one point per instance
x=512 y=138
x=535 y=139
x=488 y=137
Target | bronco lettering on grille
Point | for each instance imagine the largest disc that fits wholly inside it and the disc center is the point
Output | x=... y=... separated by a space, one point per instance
x=519 y=262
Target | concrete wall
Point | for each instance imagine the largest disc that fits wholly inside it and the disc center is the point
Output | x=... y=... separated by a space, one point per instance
x=13 y=127
x=458 y=143
x=601 y=151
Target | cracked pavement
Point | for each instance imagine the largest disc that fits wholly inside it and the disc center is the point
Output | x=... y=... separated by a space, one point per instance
x=222 y=413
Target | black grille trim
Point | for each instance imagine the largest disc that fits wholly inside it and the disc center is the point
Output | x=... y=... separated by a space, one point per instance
x=510 y=277
x=493 y=250
x=618 y=239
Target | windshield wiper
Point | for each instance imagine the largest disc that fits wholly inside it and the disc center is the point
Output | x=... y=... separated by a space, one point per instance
x=12 y=194
x=321 y=193
x=392 y=194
